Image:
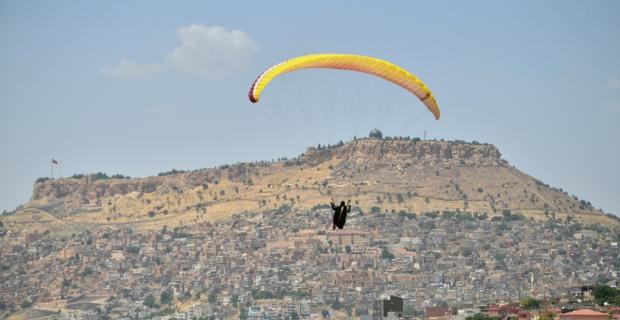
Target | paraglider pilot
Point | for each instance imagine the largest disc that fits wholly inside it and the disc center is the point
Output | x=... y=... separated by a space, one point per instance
x=340 y=214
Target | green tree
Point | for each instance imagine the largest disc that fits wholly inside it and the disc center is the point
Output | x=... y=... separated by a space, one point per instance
x=263 y=295
x=86 y=272
x=243 y=313
x=530 y=303
x=479 y=316
x=166 y=296
x=101 y=175
x=430 y=225
x=499 y=257
x=26 y=304
x=447 y=215
x=212 y=297
x=386 y=254
x=479 y=264
x=149 y=301
x=467 y=252
x=604 y=293
x=132 y=249
x=432 y=214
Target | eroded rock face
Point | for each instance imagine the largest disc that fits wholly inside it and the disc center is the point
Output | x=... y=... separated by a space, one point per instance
x=367 y=151
x=90 y=188
x=96 y=188
x=360 y=152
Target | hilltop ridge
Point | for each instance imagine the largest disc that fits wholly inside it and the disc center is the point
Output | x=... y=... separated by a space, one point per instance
x=379 y=175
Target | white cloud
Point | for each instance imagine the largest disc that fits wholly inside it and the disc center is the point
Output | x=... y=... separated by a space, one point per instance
x=203 y=50
x=131 y=68
x=211 y=50
x=614 y=82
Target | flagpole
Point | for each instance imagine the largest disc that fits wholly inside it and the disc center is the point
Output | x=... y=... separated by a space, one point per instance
x=52 y=167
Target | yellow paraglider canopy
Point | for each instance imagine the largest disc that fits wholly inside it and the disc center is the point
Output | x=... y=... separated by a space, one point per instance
x=365 y=64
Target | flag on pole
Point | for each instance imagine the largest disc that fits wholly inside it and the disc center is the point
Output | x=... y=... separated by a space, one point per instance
x=54 y=161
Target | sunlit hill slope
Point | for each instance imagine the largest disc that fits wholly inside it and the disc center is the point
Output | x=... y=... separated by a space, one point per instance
x=388 y=175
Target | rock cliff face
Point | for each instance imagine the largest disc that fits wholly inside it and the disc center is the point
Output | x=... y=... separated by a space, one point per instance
x=377 y=174
x=89 y=188
x=362 y=152
x=409 y=151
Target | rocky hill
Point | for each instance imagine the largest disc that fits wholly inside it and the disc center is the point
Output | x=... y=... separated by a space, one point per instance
x=378 y=175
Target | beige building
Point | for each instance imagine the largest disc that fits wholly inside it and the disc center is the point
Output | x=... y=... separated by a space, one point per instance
x=118 y=255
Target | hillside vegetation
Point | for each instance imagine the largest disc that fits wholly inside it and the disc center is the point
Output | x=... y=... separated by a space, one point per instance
x=378 y=175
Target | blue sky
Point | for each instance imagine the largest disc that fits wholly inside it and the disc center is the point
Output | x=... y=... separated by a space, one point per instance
x=142 y=87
